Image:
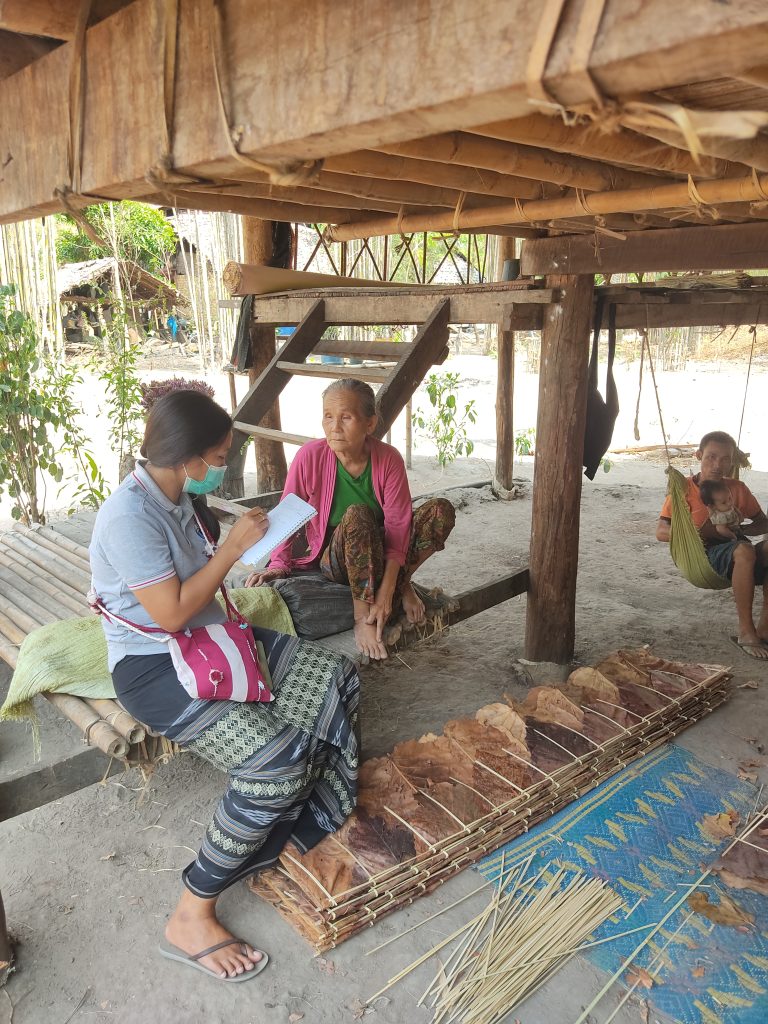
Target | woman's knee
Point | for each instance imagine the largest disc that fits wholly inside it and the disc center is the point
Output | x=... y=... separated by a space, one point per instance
x=359 y=516
x=744 y=554
x=437 y=515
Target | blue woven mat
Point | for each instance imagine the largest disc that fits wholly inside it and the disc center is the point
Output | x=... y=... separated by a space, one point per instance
x=641 y=832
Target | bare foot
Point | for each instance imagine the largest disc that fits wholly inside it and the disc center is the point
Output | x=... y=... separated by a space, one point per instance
x=754 y=646
x=366 y=641
x=413 y=606
x=198 y=928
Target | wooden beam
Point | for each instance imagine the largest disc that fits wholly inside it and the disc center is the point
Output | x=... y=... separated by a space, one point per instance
x=478 y=304
x=479 y=599
x=720 y=247
x=263 y=394
x=54 y=18
x=379 y=83
x=524 y=161
x=618 y=147
x=283 y=436
x=367 y=163
x=372 y=374
x=271 y=466
x=18 y=51
x=261 y=209
x=505 y=387
x=423 y=353
x=550 y=626
x=299 y=195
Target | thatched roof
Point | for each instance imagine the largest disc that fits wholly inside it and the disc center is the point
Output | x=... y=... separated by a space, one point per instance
x=606 y=120
x=71 y=277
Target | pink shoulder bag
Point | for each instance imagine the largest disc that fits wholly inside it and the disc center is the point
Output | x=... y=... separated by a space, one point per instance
x=217 y=662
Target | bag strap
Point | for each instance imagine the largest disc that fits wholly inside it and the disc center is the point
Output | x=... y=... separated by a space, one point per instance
x=596 y=325
x=150 y=632
x=210 y=549
x=611 y=336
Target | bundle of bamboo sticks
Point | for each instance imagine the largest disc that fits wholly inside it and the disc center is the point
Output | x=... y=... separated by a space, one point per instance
x=45 y=577
x=403 y=839
x=522 y=937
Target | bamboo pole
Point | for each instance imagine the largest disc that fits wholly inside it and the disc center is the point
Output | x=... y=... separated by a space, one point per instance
x=25 y=612
x=97 y=732
x=65 y=554
x=618 y=147
x=525 y=161
x=119 y=719
x=74 y=599
x=640 y=200
x=65 y=542
x=60 y=569
x=55 y=604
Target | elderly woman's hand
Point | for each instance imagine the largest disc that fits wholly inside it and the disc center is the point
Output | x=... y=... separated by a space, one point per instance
x=381 y=609
x=258 y=579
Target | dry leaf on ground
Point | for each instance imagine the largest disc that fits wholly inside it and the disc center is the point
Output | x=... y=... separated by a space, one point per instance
x=720 y=826
x=294 y=1018
x=638 y=976
x=726 y=912
x=698 y=972
x=747 y=776
x=750 y=685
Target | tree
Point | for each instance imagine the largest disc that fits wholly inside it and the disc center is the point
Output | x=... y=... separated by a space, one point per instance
x=133 y=231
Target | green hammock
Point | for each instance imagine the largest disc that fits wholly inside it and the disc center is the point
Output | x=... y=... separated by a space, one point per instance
x=685 y=543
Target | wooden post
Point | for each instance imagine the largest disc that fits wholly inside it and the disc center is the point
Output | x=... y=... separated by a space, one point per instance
x=554 y=553
x=409 y=434
x=505 y=389
x=271 y=467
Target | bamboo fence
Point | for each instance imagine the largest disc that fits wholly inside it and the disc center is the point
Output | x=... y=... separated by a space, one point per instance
x=45 y=577
x=401 y=843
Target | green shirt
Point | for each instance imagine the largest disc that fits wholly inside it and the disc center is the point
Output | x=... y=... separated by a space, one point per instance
x=353 y=490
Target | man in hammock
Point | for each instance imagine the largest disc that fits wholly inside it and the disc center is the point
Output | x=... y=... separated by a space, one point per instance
x=743 y=564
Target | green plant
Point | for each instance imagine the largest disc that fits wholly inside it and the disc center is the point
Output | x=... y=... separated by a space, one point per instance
x=35 y=406
x=525 y=441
x=446 y=427
x=123 y=388
x=132 y=231
x=606 y=464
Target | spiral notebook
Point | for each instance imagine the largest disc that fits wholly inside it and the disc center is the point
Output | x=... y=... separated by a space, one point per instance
x=285 y=519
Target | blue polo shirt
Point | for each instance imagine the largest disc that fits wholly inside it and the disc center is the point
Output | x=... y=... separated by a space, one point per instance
x=141 y=538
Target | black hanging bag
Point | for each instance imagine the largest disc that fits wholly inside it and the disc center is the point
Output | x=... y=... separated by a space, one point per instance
x=601 y=412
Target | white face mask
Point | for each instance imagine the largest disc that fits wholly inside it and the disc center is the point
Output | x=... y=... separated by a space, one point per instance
x=214 y=478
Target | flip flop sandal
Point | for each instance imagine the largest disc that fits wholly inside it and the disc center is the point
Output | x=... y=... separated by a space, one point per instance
x=745 y=648
x=172 y=952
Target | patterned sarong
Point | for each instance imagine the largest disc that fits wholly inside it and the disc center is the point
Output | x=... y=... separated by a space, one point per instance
x=292 y=764
x=355 y=554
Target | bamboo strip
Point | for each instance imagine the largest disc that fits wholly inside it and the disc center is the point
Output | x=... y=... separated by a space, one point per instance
x=14 y=634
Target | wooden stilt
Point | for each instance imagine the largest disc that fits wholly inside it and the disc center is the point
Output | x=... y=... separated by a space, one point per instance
x=505 y=387
x=271 y=466
x=6 y=950
x=550 y=620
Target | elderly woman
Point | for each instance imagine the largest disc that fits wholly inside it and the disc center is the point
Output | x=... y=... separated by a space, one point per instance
x=292 y=763
x=365 y=534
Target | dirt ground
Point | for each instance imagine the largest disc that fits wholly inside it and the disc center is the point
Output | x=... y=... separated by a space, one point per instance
x=88 y=880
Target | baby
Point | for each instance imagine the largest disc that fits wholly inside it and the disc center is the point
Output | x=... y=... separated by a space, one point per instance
x=723 y=514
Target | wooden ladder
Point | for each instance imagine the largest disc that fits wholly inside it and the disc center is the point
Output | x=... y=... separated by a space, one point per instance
x=410 y=362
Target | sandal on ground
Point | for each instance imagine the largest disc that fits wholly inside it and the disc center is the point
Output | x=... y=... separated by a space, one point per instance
x=748 y=648
x=172 y=952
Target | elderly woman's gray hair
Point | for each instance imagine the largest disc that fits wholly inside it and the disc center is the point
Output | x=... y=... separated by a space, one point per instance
x=364 y=392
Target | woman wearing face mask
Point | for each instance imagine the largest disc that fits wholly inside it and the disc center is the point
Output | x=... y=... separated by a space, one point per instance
x=365 y=534
x=292 y=763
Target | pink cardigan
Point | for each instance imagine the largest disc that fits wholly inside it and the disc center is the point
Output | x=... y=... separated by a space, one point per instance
x=312 y=476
